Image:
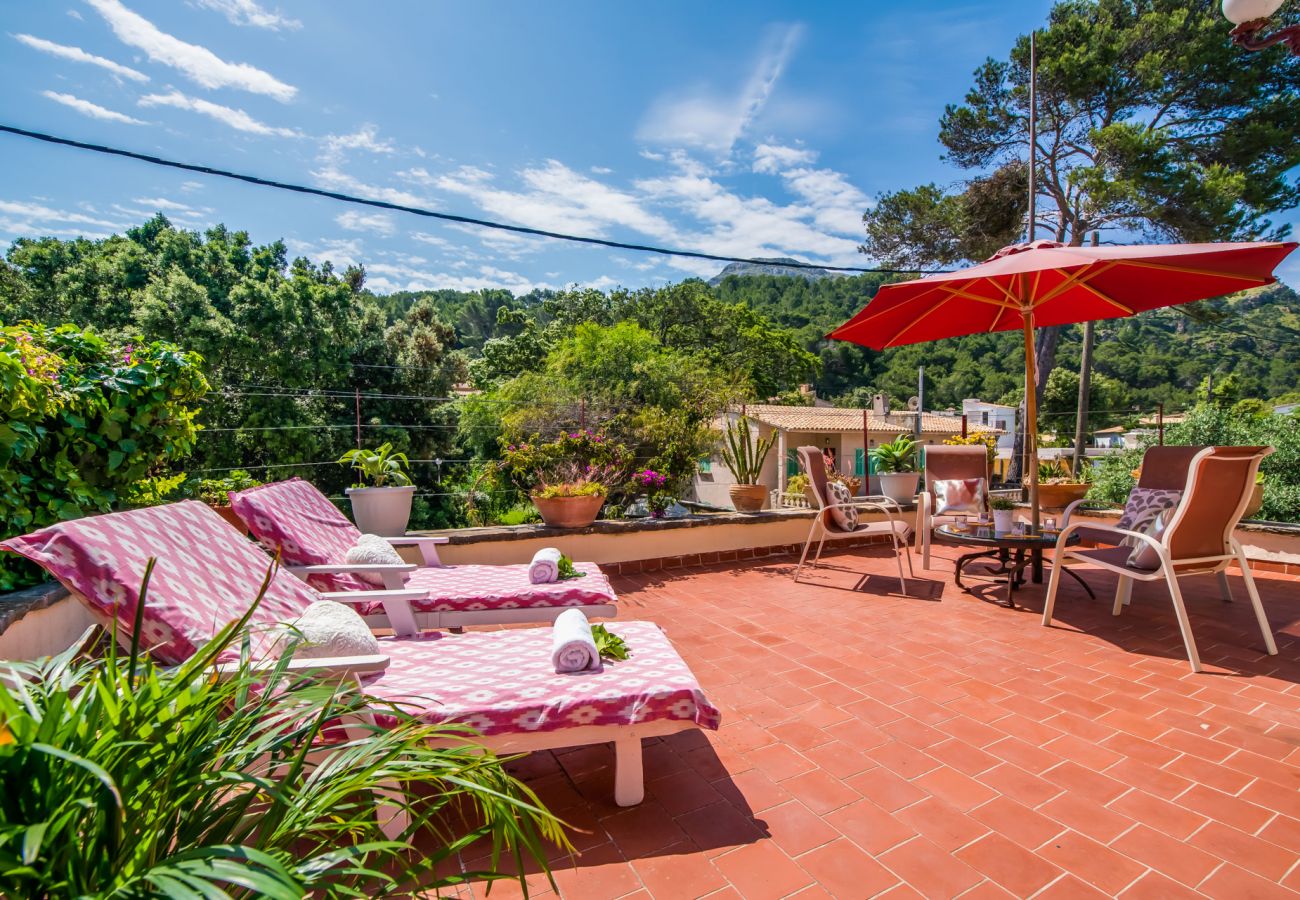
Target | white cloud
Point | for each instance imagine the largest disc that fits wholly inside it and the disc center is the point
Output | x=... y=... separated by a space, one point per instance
x=76 y=54
x=385 y=277
x=331 y=176
x=199 y=64
x=416 y=175
x=712 y=120
x=189 y=186
x=364 y=138
x=771 y=158
x=235 y=118
x=248 y=12
x=377 y=223
x=557 y=199
x=601 y=170
x=431 y=240
x=341 y=253
x=166 y=205
x=37 y=215
x=86 y=108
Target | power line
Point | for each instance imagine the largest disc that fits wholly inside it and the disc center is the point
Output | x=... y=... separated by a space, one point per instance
x=431 y=214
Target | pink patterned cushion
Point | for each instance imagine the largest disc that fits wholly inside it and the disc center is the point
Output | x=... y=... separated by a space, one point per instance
x=206 y=576
x=464 y=588
x=503 y=682
x=296 y=520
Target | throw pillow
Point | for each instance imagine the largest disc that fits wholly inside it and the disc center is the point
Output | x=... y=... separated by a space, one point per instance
x=959 y=495
x=372 y=550
x=1144 y=556
x=845 y=517
x=1144 y=504
x=329 y=629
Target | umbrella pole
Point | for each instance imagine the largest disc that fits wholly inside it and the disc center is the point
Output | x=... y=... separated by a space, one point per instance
x=1031 y=418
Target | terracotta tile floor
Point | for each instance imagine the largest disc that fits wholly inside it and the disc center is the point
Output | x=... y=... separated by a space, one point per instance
x=940 y=746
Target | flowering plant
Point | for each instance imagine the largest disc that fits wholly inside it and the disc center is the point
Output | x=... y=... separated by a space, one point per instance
x=572 y=464
x=657 y=499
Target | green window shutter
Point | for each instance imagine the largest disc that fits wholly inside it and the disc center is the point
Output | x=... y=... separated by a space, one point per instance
x=859 y=458
x=791 y=463
x=706 y=466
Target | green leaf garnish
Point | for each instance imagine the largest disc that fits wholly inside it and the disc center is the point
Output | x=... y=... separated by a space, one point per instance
x=567 y=570
x=610 y=646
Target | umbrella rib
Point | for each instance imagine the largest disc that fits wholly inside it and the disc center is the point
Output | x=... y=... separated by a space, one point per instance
x=1075 y=277
x=869 y=314
x=1106 y=298
x=894 y=342
x=1142 y=264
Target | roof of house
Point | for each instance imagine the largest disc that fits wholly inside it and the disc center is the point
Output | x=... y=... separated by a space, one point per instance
x=1114 y=429
x=823 y=418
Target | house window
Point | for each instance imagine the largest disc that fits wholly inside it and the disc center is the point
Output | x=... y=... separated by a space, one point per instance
x=984 y=417
x=859 y=459
x=706 y=467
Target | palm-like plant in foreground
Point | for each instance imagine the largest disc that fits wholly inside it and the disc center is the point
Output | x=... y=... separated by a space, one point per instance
x=127 y=779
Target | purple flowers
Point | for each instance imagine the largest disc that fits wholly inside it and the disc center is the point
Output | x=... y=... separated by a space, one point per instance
x=650 y=479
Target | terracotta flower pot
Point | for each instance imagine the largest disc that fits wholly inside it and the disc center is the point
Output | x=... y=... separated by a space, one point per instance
x=1059 y=496
x=1255 y=502
x=569 y=512
x=228 y=513
x=747 y=497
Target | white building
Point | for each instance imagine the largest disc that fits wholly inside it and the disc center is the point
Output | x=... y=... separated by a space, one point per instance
x=995 y=417
x=848 y=434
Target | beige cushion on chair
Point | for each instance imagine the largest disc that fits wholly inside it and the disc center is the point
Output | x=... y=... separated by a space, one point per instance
x=1144 y=504
x=846 y=517
x=1144 y=556
x=958 y=495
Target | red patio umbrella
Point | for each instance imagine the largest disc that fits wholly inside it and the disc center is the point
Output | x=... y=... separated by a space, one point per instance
x=1047 y=283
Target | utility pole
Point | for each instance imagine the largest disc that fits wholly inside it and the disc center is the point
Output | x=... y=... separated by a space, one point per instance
x=1030 y=226
x=1085 y=385
x=920 y=397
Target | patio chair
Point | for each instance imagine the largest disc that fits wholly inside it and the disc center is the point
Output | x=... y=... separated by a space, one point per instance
x=1197 y=539
x=944 y=463
x=500 y=683
x=838 y=518
x=312 y=537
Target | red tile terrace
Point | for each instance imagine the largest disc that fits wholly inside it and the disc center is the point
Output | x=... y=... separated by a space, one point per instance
x=875 y=745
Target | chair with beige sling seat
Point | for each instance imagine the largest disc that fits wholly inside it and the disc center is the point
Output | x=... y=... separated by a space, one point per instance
x=837 y=516
x=950 y=465
x=1195 y=537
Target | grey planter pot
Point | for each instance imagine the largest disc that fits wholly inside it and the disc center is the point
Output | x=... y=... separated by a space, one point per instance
x=384 y=511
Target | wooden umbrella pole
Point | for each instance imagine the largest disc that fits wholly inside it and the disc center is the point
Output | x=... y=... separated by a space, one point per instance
x=1031 y=417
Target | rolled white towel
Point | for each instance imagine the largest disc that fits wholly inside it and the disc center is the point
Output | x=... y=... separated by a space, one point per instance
x=572 y=647
x=545 y=567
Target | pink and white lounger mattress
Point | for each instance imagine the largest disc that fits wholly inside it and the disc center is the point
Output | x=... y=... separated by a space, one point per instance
x=207 y=574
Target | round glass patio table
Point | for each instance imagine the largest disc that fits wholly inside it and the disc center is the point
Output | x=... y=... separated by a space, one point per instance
x=1012 y=552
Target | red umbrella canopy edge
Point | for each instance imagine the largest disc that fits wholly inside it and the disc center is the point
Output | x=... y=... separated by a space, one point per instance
x=1059 y=285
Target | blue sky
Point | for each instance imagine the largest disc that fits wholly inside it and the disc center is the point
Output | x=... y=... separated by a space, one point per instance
x=754 y=129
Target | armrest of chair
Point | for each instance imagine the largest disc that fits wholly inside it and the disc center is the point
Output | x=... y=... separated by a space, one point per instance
x=396 y=603
x=351 y=569
x=1112 y=529
x=1082 y=502
x=428 y=545
x=333 y=667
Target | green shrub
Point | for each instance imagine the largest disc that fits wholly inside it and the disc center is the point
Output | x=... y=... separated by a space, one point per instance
x=86 y=427
x=126 y=779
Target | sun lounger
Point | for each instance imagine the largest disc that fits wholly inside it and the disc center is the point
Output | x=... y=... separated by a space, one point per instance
x=312 y=537
x=207 y=575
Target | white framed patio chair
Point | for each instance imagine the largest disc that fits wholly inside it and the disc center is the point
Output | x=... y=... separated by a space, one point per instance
x=836 y=518
x=1196 y=540
x=945 y=463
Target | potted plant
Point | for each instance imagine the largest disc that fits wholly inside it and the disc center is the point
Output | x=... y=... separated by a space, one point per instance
x=657 y=500
x=567 y=478
x=896 y=468
x=743 y=453
x=1003 y=514
x=381 y=499
x=1256 y=501
x=215 y=492
x=1057 y=488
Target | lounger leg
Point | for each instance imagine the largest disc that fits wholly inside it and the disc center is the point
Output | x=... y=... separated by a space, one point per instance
x=394 y=820
x=1253 y=592
x=821 y=544
x=629 y=778
x=1052 y=584
x=1224 y=588
x=925 y=545
x=1123 y=593
x=1184 y=625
